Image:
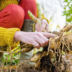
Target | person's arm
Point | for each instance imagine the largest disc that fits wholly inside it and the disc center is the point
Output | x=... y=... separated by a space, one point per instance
x=12 y=36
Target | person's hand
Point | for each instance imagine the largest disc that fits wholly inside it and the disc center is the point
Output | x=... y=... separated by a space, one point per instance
x=38 y=39
x=44 y=26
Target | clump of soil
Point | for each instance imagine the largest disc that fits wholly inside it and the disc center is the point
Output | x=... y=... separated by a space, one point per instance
x=48 y=65
x=45 y=66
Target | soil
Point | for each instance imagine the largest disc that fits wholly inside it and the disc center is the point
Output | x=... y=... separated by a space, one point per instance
x=46 y=66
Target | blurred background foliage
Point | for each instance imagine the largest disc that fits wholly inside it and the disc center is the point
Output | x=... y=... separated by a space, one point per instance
x=68 y=10
x=14 y=56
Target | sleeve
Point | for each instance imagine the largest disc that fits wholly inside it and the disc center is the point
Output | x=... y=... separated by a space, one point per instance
x=7 y=36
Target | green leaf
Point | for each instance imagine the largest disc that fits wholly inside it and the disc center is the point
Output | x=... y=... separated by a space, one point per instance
x=65 y=0
x=64 y=12
x=68 y=13
x=65 y=7
x=68 y=3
